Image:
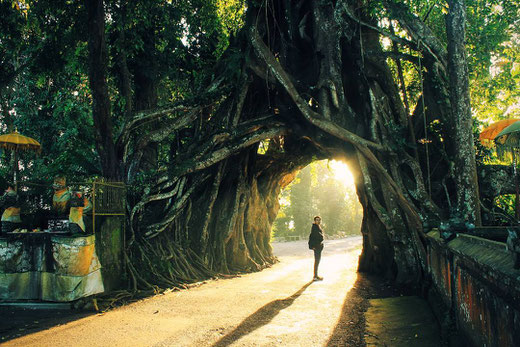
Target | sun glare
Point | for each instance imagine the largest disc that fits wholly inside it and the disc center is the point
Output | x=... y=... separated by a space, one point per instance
x=341 y=172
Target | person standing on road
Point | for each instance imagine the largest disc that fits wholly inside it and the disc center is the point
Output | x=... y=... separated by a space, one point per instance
x=316 y=244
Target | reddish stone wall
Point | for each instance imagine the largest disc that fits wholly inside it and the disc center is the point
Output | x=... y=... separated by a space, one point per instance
x=476 y=281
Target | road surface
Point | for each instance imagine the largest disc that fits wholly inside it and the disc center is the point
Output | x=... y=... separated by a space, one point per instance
x=279 y=306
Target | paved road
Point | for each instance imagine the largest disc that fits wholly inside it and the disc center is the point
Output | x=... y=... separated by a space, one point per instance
x=279 y=306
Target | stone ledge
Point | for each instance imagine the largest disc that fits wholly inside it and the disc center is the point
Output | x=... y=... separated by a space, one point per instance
x=476 y=278
x=489 y=258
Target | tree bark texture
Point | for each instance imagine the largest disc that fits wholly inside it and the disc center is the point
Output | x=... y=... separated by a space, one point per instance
x=468 y=204
x=313 y=83
x=101 y=108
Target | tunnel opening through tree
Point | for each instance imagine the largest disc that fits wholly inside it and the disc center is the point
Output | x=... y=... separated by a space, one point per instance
x=325 y=188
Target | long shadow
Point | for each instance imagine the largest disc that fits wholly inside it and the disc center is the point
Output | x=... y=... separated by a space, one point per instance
x=350 y=329
x=260 y=318
x=19 y=321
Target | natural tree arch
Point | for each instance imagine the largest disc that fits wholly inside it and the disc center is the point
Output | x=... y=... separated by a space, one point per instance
x=314 y=79
x=315 y=74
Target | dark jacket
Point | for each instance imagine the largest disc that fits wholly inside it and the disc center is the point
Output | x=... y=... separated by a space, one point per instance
x=316 y=237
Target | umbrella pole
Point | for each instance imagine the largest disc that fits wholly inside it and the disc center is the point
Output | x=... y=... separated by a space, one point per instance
x=15 y=170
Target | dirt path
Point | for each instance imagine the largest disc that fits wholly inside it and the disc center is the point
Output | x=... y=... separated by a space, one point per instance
x=276 y=307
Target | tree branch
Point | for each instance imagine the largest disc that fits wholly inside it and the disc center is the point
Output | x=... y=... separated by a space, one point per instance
x=234 y=145
x=311 y=116
x=381 y=31
x=145 y=117
x=396 y=55
x=418 y=31
x=155 y=229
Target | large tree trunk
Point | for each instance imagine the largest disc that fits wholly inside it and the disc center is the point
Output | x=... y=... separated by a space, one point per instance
x=124 y=77
x=99 y=88
x=468 y=204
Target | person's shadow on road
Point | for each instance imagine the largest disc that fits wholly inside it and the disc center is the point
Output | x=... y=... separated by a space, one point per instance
x=260 y=318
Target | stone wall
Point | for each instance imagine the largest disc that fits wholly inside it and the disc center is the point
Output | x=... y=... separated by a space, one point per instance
x=475 y=280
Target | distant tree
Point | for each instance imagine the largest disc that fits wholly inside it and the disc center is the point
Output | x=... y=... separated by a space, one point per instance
x=331 y=204
x=301 y=202
x=282 y=225
x=331 y=200
x=316 y=191
x=284 y=220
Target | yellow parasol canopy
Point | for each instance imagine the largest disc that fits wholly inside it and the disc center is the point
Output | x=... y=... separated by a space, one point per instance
x=15 y=141
x=487 y=136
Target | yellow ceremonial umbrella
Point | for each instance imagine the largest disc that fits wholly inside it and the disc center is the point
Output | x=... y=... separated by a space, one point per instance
x=17 y=142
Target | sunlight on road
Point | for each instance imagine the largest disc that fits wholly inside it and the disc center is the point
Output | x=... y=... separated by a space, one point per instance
x=279 y=306
x=320 y=305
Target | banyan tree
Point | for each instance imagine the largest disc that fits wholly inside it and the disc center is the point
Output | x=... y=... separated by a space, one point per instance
x=309 y=79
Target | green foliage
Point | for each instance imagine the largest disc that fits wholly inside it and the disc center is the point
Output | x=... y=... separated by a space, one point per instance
x=493 y=54
x=48 y=99
x=484 y=155
x=493 y=51
x=336 y=200
x=300 y=208
x=44 y=89
x=506 y=202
